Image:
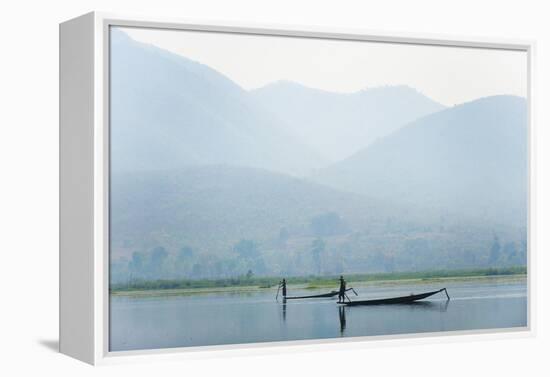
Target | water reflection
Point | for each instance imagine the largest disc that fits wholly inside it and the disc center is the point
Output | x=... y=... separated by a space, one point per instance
x=342 y=316
x=443 y=308
x=223 y=318
x=428 y=305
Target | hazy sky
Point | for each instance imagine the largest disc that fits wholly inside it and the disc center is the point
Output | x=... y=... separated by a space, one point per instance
x=446 y=74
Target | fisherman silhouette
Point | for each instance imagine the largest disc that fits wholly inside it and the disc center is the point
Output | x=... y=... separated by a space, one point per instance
x=283 y=286
x=342 y=291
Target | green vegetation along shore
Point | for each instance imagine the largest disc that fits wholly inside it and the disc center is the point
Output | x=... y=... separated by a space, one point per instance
x=312 y=282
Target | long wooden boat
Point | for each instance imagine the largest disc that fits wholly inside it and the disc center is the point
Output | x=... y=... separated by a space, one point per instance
x=323 y=295
x=396 y=300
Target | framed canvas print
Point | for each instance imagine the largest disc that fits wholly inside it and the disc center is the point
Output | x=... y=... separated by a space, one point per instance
x=229 y=186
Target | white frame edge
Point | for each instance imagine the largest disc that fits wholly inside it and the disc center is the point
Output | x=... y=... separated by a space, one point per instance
x=89 y=313
x=76 y=199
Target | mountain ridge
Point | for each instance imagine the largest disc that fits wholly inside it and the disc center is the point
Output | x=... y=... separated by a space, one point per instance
x=339 y=124
x=456 y=154
x=168 y=111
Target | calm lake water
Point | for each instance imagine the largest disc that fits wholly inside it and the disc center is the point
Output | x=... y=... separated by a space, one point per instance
x=229 y=318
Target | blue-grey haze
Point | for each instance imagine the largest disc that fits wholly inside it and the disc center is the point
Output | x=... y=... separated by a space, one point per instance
x=209 y=180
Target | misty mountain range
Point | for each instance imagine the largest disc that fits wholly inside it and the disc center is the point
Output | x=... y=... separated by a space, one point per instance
x=405 y=183
x=202 y=117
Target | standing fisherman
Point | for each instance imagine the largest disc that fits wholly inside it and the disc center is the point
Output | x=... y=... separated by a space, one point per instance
x=342 y=291
x=283 y=286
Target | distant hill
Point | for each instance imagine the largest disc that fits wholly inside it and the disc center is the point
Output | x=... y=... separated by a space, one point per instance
x=221 y=221
x=338 y=125
x=209 y=206
x=168 y=112
x=471 y=158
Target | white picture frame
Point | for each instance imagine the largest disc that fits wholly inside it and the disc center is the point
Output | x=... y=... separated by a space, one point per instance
x=84 y=184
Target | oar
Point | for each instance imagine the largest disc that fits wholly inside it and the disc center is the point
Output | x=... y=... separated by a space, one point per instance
x=277 y=296
x=351 y=289
x=345 y=295
x=445 y=289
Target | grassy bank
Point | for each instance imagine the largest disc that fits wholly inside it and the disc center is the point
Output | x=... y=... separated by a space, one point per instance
x=253 y=283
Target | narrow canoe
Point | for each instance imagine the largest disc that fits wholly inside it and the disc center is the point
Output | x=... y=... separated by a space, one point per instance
x=331 y=294
x=396 y=300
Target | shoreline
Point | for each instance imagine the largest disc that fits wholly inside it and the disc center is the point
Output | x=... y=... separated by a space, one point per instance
x=151 y=293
